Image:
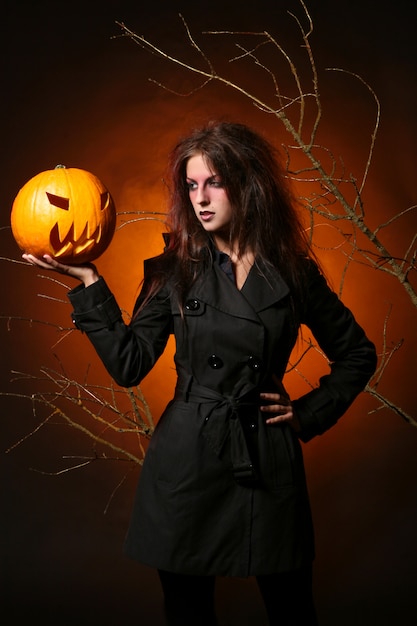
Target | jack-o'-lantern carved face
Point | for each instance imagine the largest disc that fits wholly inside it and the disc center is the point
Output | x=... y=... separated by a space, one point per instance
x=67 y=213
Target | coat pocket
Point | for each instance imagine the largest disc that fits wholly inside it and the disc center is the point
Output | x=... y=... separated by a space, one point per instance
x=281 y=459
x=178 y=457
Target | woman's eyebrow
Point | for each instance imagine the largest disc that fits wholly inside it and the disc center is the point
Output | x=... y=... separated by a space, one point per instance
x=208 y=178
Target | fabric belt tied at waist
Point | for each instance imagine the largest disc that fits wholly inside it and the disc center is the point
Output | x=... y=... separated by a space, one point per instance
x=223 y=417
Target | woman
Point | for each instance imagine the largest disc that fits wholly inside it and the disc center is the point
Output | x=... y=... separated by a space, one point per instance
x=222 y=490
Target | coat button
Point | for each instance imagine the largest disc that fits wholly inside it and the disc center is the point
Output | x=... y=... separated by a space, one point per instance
x=192 y=305
x=254 y=363
x=215 y=362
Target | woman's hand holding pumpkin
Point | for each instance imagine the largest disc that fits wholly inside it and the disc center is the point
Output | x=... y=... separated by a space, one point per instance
x=86 y=273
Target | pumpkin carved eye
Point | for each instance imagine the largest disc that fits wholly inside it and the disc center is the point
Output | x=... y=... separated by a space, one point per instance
x=58 y=201
x=105 y=200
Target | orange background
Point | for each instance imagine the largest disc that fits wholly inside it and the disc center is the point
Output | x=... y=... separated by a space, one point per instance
x=72 y=94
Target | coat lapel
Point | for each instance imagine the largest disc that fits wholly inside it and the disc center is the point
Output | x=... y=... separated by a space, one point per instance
x=260 y=291
x=264 y=287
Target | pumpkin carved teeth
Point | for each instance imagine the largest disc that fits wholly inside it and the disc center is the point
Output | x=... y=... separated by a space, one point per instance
x=68 y=243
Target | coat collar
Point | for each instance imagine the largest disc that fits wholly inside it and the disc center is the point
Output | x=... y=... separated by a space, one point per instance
x=263 y=288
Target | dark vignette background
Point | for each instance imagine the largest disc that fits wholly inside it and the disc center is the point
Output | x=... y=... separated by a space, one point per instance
x=66 y=87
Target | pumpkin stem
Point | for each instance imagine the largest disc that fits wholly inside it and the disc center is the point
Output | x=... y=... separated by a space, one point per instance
x=58 y=167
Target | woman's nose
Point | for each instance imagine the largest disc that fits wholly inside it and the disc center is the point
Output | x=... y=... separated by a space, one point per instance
x=202 y=196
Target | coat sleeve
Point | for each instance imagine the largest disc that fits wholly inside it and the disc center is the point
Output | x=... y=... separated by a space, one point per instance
x=352 y=358
x=128 y=351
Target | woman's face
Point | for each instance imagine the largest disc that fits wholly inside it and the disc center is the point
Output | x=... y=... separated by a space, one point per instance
x=208 y=197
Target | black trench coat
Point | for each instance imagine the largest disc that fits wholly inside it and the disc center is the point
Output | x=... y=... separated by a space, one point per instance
x=221 y=492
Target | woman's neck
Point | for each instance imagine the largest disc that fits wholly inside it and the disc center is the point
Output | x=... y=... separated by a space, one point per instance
x=241 y=262
x=232 y=249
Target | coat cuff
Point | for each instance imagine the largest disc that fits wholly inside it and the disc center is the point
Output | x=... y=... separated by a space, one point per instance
x=317 y=412
x=95 y=307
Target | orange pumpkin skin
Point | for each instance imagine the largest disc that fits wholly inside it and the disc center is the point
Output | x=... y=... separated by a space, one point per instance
x=67 y=213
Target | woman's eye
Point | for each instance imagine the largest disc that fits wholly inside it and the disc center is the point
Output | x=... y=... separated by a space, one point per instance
x=216 y=183
x=191 y=186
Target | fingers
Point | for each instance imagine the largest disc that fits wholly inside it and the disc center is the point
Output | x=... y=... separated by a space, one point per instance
x=86 y=273
x=279 y=406
x=276 y=402
x=47 y=262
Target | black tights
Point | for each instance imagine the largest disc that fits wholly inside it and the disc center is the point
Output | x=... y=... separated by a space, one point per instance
x=288 y=599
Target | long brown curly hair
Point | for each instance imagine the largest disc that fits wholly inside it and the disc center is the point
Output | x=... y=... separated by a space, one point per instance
x=265 y=219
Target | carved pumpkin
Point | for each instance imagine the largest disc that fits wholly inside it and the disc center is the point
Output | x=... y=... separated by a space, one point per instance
x=67 y=213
